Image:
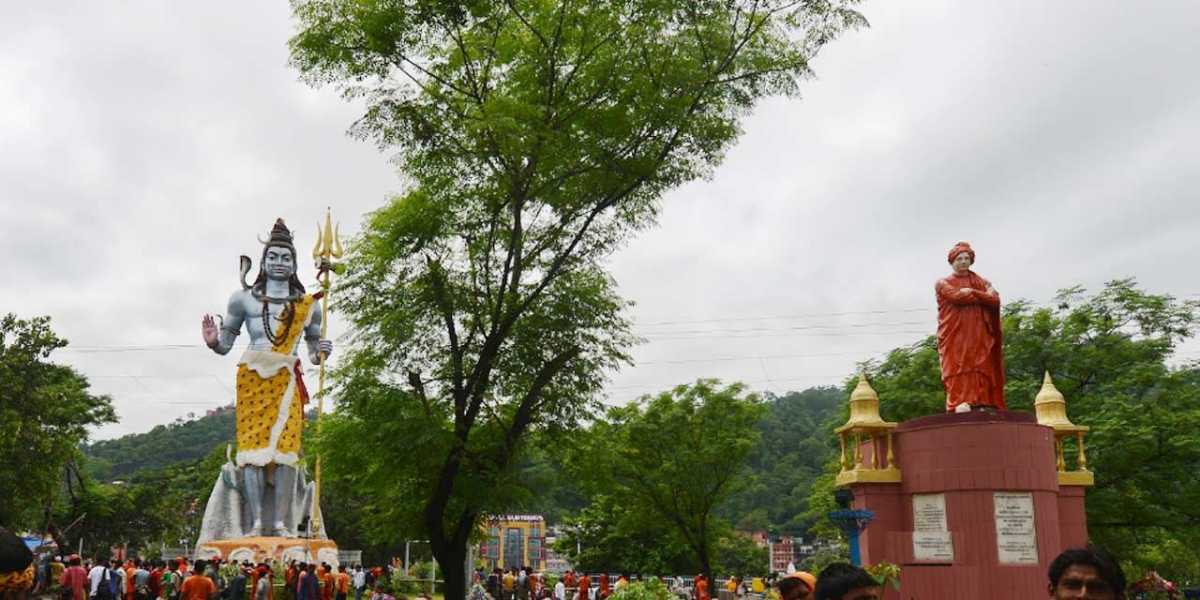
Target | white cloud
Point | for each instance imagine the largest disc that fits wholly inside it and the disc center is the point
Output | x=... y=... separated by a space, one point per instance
x=145 y=145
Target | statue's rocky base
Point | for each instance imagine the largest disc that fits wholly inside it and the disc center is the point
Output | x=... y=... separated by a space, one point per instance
x=981 y=509
x=270 y=549
x=284 y=495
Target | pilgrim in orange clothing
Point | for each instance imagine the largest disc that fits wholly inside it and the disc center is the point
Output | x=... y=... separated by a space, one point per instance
x=584 y=584
x=701 y=588
x=969 y=338
x=343 y=582
x=129 y=587
x=327 y=583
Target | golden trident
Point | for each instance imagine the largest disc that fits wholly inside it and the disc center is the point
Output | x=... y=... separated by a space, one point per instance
x=329 y=247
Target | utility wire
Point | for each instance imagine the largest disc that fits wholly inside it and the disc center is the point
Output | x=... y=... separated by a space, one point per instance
x=792 y=316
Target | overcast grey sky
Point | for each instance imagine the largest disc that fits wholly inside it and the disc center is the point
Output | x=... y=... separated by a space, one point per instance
x=144 y=145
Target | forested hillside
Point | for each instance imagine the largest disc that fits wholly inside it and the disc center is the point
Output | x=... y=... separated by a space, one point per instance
x=163 y=446
x=793 y=450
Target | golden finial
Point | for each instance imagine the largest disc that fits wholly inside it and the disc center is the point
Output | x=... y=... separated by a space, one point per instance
x=864 y=406
x=1051 y=406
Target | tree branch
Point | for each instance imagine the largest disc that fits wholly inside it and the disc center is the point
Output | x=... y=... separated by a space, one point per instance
x=414 y=379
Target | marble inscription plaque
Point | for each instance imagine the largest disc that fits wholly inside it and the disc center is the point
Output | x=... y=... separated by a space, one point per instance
x=931 y=537
x=1016 y=538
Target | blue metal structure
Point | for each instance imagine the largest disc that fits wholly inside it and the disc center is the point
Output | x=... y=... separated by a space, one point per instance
x=852 y=522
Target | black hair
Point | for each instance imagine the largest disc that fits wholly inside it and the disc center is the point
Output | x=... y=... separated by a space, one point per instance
x=1098 y=558
x=787 y=584
x=15 y=556
x=838 y=579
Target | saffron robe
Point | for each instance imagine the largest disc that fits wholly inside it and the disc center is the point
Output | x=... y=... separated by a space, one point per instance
x=969 y=342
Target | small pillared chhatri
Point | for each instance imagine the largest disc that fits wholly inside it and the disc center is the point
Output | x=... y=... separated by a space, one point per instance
x=1051 y=409
x=860 y=463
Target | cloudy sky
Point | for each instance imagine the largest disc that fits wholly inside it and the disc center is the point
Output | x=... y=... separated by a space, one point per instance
x=144 y=145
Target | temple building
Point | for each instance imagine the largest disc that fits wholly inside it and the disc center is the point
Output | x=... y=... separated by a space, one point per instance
x=514 y=541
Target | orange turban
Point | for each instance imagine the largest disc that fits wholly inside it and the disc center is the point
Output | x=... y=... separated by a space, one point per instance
x=959 y=248
x=804 y=576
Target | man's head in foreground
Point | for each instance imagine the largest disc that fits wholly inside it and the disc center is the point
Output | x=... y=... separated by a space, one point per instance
x=797 y=586
x=1086 y=574
x=842 y=581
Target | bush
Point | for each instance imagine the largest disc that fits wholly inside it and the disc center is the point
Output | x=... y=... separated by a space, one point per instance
x=643 y=590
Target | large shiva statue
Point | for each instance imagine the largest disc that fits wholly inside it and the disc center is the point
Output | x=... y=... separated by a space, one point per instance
x=264 y=493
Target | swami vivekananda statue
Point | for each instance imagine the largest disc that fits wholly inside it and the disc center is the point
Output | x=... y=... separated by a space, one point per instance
x=969 y=339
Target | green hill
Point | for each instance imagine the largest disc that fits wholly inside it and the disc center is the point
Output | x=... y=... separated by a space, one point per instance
x=793 y=450
x=165 y=445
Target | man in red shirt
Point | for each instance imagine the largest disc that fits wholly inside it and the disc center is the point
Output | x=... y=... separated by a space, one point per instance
x=701 y=587
x=156 y=573
x=75 y=578
x=584 y=584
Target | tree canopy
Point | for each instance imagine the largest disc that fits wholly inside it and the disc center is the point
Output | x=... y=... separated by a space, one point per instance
x=536 y=136
x=45 y=412
x=675 y=457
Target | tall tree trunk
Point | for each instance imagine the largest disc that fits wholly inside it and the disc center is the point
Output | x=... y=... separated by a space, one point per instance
x=451 y=562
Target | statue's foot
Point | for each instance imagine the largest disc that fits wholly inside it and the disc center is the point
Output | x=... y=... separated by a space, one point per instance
x=256 y=530
x=281 y=530
x=962 y=408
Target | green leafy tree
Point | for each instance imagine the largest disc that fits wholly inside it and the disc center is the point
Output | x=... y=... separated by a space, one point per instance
x=739 y=555
x=676 y=457
x=1109 y=354
x=609 y=536
x=45 y=412
x=152 y=507
x=537 y=136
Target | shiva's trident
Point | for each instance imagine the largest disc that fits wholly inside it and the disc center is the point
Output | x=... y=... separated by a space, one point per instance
x=328 y=248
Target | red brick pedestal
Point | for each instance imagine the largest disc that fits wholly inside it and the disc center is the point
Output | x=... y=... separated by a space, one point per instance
x=967 y=459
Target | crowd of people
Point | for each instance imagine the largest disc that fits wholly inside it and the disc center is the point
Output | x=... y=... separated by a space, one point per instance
x=526 y=584
x=72 y=578
x=1076 y=574
x=1086 y=573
